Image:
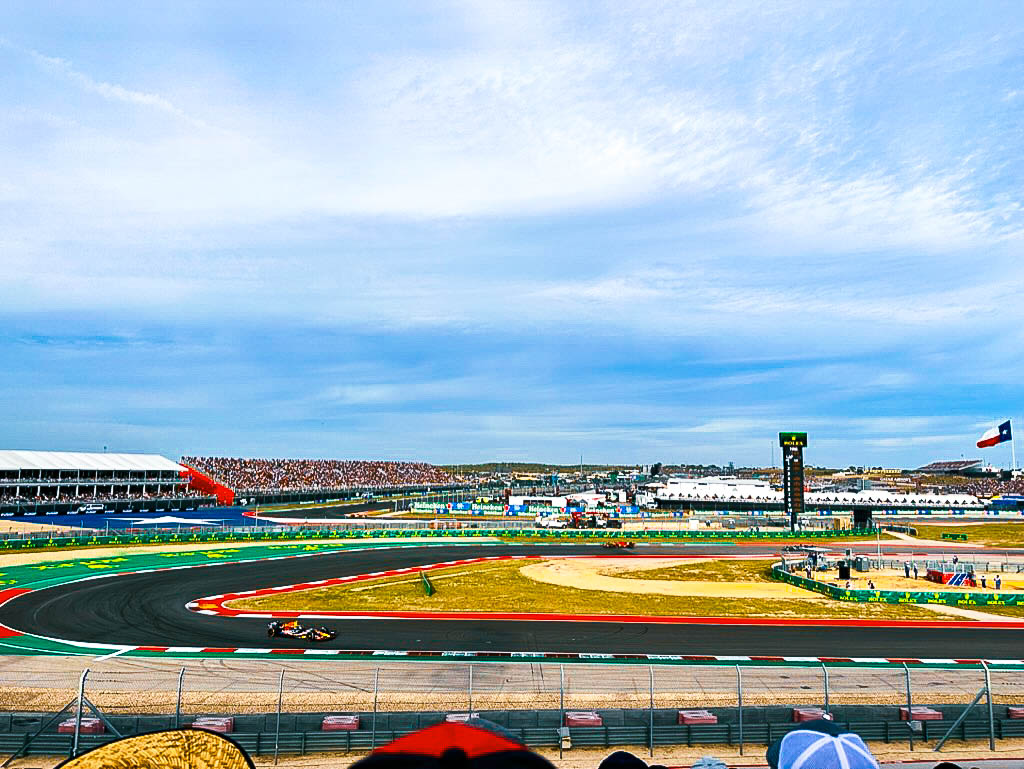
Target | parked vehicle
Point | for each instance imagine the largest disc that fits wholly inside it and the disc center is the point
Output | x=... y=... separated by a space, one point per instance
x=550 y=522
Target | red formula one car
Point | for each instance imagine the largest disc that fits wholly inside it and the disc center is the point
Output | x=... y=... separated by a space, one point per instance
x=294 y=630
x=618 y=544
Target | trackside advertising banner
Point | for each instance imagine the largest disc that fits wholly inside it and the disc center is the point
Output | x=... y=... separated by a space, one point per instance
x=946 y=598
x=41 y=543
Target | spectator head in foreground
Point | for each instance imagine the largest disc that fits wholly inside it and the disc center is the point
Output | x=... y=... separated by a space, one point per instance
x=172 y=749
x=820 y=744
x=622 y=759
x=475 y=745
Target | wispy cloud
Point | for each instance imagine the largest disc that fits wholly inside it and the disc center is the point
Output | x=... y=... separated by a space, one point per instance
x=109 y=91
x=526 y=225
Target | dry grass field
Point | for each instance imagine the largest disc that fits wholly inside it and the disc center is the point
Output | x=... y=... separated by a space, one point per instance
x=501 y=587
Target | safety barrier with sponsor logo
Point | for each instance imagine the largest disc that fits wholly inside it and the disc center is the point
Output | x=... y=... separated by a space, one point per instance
x=946 y=598
x=40 y=543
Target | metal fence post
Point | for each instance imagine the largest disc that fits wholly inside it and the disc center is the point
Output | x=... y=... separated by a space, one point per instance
x=910 y=708
x=177 y=707
x=373 y=728
x=470 y=689
x=825 y=671
x=561 y=706
x=991 y=716
x=960 y=719
x=650 y=668
x=739 y=703
x=280 y=700
x=78 y=711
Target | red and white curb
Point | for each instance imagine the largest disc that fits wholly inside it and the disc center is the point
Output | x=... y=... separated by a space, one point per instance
x=215 y=605
x=491 y=656
x=105 y=651
x=9 y=594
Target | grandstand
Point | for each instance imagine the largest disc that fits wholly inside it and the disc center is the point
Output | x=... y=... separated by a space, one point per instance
x=953 y=467
x=749 y=495
x=269 y=480
x=46 y=482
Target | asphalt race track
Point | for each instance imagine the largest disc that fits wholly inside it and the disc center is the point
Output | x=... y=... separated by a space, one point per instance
x=149 y=610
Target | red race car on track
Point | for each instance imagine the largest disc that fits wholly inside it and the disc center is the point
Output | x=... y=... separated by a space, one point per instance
x=618 y=544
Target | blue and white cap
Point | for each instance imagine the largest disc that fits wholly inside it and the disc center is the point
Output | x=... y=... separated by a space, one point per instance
x=803 y=749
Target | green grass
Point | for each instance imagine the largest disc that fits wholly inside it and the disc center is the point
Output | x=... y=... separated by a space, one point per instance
x=499 y=587
x=709 y=571
x=991 y=534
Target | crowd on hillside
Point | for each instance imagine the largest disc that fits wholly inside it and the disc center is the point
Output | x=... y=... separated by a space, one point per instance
x=315 y=474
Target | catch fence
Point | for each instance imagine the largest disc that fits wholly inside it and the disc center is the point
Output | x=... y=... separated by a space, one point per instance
x=281 y=705
x=939 y=595
x=376 y=530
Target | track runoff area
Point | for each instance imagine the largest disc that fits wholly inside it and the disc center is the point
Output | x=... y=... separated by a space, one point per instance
x=178 y=604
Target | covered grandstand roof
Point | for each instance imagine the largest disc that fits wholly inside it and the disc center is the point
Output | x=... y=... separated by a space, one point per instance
x=77 y=460
x=952 y=466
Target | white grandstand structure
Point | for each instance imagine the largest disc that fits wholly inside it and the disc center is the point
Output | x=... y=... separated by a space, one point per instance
x=751 y=492
x=67 y=476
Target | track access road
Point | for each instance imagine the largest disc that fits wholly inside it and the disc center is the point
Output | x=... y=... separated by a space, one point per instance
x=149 y=609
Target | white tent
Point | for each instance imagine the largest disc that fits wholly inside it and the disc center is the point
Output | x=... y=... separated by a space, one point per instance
x=75 y=461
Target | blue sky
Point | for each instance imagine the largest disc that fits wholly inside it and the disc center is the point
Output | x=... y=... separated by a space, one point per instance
x=473 y=231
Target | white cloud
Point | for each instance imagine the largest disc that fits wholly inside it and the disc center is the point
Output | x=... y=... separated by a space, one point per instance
x=879 y=212
x=757 y=124
x=404 y=391
x=535 y=113
x=112 y=91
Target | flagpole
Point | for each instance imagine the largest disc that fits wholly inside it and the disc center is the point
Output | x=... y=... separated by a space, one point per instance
x=1013 y=450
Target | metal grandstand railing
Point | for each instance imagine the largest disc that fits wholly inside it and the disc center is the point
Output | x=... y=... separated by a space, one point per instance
x=638 y=704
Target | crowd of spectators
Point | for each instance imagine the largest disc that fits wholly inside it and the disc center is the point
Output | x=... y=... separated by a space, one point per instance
x=48 y=496
x=983 y=488
x=271 y=475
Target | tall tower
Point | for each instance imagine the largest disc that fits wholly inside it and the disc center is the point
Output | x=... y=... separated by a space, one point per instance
x=793 y=445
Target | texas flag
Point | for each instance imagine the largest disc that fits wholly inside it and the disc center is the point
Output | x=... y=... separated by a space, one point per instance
x=996 y=435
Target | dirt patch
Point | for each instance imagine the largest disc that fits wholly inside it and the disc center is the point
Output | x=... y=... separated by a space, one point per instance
x=503 y=587
x=599 y=574
x=708 y=570
x=17 y=527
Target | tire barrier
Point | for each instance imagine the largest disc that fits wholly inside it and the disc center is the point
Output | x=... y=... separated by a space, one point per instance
x=946 y=598
x=302 y=734
x=52 y=543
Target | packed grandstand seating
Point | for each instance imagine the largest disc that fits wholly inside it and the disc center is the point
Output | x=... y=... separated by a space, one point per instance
x=952 y=466
x=265 y=475
x=983 y=487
